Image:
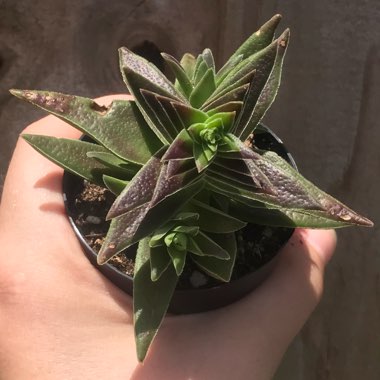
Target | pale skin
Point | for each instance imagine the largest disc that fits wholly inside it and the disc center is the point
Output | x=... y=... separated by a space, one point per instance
x=61 y=319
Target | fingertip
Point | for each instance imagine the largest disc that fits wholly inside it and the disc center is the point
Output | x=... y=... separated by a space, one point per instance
x=322 y=242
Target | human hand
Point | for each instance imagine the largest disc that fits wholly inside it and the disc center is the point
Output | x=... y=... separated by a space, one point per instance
x=61 y=319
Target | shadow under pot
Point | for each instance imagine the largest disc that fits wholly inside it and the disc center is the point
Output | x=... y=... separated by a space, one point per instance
x=257 y=246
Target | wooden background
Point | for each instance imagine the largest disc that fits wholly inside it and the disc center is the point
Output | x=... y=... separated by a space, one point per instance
x=327 y=113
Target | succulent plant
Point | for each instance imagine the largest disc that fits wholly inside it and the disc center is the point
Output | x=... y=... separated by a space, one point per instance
x=178 y=160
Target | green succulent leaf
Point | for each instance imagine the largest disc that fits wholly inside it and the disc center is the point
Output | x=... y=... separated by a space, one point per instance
x=259 y=98
x=201 y=68
x=292 y=192
x=167 y=127
x=235 y=95
x=214 y=220
x=188 y=63
x=72 y=155
x=178 y=258
x=111 y=126
x=180 y=74
x=150 y=299
x=233 y=88
x=203 y=89
x=159 y=261
x=181 y=148
x=215 y=267
x=139 y=74
x=256 y=42
x=209 y=58
x=115 y=185
x=116 y=163
x=141 y=221
x=209 y=247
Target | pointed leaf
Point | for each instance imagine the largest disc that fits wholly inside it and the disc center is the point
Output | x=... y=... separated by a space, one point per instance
x=189 y=115
x=150 y=299
x=139 y=74
x=209 y=247
x=178 y=259
x=219 y=269
x=204 y=88
x=165 y=126
x=258 y=101
x=142 y=221
x=222 y=91
x=227 y=67
x=109 y=126
x=208 y=58
x=115 y=185
x=114 y=162
x=181 y=148
x=213 y=220
x=140 y=190
x=180 y=74
x=256 y=42
x=159 y=261
x=71 y=155
x=188 y=63
x=235 y=95
x=200 y=70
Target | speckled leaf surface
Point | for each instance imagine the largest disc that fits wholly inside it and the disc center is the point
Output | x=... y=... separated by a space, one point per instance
x=71 y=155
x=258 y=98
x=219 y=269
x=113 y=127
x=150 y=299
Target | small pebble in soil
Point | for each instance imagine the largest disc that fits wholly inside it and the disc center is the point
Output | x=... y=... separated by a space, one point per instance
x=198 y=279
x=93 y=219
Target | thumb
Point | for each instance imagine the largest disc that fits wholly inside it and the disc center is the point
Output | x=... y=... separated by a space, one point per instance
x=283 y=303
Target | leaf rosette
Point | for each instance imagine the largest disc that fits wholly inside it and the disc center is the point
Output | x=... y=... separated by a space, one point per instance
x=175 y=149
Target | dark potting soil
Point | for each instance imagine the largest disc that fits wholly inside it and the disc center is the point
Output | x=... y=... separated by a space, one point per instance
x=256 y=244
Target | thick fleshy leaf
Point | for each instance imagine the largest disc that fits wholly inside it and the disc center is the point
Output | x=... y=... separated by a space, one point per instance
x=188 y=62
x=282 y=217
x=210 y=247
x=166 y=126
x=159 y=261
x=293 y=192
x=114 y=185
x=189 y=115
x=209 y=58
x=140 y=190
x=204 y=88
x=200 y=70
x=258 y=98
x=213 y=220
x=261 y=63
x=178 y=259
x=71 y=155
x=227 y=67
x=115 y=162
x=230 y=88
x=139 y=74
x=180 y=74
x=181 y=148
x=256 y=42
x=111 y=126
x=150 y=299
x=219 y=269
x=235 y=95
x=227 y=107
x=142 y=221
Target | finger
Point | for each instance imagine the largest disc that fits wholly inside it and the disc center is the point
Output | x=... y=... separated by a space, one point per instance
x=277 y=310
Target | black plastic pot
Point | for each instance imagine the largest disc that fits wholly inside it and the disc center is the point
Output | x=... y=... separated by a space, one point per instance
x=191 y=300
